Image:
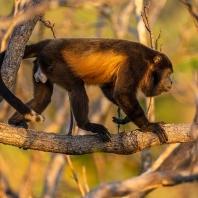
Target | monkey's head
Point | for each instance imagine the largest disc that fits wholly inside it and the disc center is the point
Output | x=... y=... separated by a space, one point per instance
x=157 y=78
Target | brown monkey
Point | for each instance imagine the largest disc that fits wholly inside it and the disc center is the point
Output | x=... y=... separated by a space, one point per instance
x=119 y=67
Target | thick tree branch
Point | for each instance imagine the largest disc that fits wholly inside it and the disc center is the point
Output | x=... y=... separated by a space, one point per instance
x=136 y=187
x=17 y=45
x=123 y=143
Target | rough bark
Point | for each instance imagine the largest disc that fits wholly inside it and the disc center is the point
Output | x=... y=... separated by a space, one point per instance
x=137 y=187
x=124 y=143
x=15 y=50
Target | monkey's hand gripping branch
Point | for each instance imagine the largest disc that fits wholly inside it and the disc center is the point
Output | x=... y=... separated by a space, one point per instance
x=152 y=127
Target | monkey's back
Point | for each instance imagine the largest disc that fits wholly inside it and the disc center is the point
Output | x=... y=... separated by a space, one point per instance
x=92 y=60
x=95 y=60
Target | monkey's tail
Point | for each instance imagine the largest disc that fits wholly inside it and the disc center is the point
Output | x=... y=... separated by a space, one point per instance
x=15 y=102
x=32 y=50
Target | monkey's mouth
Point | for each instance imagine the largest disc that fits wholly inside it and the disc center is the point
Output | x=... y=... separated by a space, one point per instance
x=167 y=88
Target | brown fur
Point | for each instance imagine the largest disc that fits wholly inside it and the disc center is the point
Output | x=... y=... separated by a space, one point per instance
x=118 y=67
x=95 y=68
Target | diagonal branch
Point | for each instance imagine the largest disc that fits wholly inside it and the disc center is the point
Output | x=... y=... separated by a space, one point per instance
x=138 y=186
x=17 y=45
x=124 y=143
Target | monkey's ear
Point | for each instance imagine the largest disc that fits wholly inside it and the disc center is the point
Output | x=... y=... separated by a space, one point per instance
x=157 y=59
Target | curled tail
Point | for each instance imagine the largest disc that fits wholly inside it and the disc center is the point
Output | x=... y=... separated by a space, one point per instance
x=16 y=103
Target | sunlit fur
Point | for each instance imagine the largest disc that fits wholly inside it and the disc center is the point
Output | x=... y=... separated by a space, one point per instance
x=95 y=68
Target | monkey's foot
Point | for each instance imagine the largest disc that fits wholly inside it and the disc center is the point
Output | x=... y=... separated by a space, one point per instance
x=19 y=120
x=100 y=129
x=22 y=124
x=121 y=121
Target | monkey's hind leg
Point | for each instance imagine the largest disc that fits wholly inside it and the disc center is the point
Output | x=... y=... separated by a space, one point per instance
x=40 y=100
x=79 y=102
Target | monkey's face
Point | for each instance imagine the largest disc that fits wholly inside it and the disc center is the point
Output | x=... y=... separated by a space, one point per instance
x=161 y=82
x=159 y=79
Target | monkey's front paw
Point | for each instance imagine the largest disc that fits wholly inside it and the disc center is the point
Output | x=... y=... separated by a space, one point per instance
x=121 y=121
x=158 y=130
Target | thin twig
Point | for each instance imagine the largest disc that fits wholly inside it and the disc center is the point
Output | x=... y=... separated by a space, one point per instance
x=191 y=11
x=156 y=41
x=48 y=24
x=147 y=23
x=85 y=179
x=75 y=176
x=149 y=108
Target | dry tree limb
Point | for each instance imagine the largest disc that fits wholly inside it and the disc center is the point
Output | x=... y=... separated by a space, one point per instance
x=17 y=45
x=139 y=186
x=124 y=143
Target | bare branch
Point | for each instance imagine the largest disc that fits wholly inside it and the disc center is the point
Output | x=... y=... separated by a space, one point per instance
x=162 y=157
x=156 y=41
x=85 y=179
x=30 y=12
x=75 y=176
x=53 y=174
x=124 y=143
x=191 y=11
x=17 y=45
x=147 y=23
x=138 y=186
x=48 y=24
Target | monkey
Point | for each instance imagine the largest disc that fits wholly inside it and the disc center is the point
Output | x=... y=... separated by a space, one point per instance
x=120 y=68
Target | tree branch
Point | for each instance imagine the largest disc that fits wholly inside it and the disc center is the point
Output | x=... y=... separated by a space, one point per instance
x=138 y=186
x=124 y=143
x=17 y=45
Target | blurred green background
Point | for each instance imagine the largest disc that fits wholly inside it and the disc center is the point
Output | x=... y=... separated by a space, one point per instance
x=179 y=39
